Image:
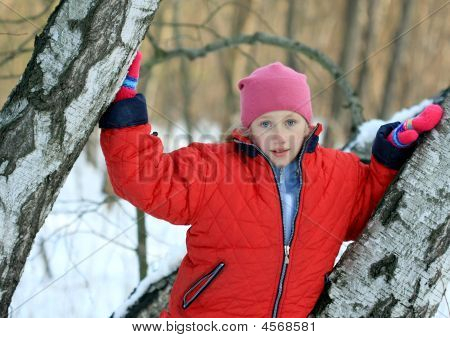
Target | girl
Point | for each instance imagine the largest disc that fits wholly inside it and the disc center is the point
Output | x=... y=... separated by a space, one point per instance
x=268 y=210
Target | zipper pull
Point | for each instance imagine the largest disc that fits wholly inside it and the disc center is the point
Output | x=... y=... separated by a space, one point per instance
x=286 y=254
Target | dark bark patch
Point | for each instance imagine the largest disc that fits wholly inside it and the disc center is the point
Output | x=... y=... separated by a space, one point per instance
x=384 y=267
x=389 y=207
x=383 y=308
x=357 y=306
x=417 y=311
x=432 y=310
x=438 y=243
x=324 y=299
x=17 y=142
x=433 y=280
x=413 y=297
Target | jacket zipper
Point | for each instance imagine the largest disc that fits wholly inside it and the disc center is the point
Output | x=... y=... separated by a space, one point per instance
x=286 y=248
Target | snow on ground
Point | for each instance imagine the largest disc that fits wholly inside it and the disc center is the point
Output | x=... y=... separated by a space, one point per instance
x=90 y=268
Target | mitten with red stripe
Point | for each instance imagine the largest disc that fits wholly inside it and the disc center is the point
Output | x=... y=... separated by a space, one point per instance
x=408 y=132
x=128 y=88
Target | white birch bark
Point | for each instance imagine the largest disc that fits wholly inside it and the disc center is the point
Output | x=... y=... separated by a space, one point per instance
x=76 y=68
x=400 y=266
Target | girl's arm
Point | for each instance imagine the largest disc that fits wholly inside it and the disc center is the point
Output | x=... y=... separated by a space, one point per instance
x=374 y=178
x=166 y=185
x=393 y=145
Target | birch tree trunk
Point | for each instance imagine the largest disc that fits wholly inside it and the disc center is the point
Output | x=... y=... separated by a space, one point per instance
x=76 y=68
x=400 y=266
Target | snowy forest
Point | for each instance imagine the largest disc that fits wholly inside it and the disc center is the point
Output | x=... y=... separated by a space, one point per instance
x=71 y=247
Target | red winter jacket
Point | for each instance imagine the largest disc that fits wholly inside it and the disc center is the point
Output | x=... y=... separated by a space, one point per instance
x=236 y=264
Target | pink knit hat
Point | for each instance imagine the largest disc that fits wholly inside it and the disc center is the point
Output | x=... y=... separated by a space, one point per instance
x=274 y=87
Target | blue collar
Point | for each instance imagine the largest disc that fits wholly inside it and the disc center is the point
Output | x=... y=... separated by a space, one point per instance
x=290 y=172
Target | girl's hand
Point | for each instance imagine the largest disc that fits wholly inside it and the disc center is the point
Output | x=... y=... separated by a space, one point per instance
x=407 y=132
x=128 y=88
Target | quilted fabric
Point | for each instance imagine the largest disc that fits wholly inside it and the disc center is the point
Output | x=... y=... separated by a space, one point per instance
x=227 y=192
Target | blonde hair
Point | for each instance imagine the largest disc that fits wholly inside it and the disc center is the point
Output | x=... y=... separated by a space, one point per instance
x=228 y=137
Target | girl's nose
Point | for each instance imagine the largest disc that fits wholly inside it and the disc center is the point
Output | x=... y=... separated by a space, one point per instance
x=278 y=138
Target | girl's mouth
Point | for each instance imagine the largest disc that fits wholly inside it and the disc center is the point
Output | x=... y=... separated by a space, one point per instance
x=280 y=153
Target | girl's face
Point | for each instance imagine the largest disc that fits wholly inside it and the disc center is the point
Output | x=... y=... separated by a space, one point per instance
x=280 y=135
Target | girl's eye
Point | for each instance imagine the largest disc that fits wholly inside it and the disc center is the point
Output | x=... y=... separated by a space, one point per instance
x=265 y=124
x=291 y=123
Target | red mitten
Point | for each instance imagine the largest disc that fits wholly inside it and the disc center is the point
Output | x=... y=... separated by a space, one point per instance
x=128 y=88
x=408 y=131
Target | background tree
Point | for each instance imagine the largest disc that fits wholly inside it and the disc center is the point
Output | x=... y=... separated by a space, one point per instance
x=47 y=119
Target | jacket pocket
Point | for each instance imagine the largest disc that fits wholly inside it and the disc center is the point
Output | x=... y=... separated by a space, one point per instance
x=200 y=285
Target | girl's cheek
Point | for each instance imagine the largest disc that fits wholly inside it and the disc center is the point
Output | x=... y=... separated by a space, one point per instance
x=260 y=142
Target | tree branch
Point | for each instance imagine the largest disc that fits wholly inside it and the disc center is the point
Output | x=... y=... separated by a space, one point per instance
x=162 y=55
